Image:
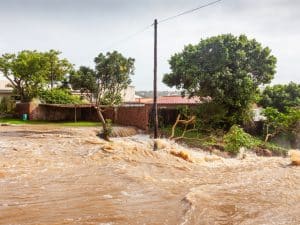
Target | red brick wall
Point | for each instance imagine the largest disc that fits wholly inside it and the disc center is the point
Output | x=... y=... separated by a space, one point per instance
x=22 y=108
x=128 y=116
x=133 y=116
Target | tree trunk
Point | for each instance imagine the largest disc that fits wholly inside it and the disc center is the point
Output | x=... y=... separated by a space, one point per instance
x=100 y=116
x=174 y=126
x=267 y=137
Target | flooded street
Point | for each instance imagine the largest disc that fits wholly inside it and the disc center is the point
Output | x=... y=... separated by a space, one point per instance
x=55 y=175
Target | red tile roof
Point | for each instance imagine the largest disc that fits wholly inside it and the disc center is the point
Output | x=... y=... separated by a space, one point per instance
x=171 y=100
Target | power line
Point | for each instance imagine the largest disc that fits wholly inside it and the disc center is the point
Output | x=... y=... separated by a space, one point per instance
x=118 y=42
x=188 y=11
x=115 y=43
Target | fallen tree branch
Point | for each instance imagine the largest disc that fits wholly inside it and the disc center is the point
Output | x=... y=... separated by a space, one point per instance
x=186 y=123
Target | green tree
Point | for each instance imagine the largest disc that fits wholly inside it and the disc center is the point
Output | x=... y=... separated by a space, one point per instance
x=30 y=71
x=84 y=80
x=113 y=72
x=26 y=72
x=281 y=96
x=229 y=69
x=277 y=122
x=59 y=96
x=57 y=68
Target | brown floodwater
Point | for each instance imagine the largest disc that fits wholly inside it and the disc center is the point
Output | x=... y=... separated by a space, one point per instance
x=54 y=175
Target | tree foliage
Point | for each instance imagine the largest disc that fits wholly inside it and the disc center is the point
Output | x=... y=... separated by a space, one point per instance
x=25 y=71
x=29 y=72
x=113 y=72
x=6 y=105
x=281 y=96
x=227 y=68
x=281 y=122
x=58 y=96
x=237 y=138
x=57 y=68
x=85 y=80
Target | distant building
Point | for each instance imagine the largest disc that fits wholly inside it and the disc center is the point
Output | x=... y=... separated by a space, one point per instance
x=171 y=100
x=128 y=95
x=5 y=91
x=257 y=113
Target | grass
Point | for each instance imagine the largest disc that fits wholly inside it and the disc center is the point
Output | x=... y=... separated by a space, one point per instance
x=59 y=123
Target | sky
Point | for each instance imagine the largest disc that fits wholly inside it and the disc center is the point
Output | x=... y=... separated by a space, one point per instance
x=81 y=29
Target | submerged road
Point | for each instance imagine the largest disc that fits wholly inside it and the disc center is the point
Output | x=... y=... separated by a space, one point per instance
x=55 y=175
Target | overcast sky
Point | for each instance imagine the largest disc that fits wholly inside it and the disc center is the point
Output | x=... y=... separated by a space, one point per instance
x=81 y=29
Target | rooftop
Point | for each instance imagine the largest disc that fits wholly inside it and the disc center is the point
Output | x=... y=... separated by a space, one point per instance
x=171 y=100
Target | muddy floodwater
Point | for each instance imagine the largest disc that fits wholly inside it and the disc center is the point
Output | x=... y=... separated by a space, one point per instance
x=54 y=175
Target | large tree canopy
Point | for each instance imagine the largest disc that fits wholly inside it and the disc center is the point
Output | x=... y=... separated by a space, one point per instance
x=25 y=71
x=229 y=69
x=281 y=96
x=57 y=68
x=113 y=72
x=85 y=80
x=30 y=71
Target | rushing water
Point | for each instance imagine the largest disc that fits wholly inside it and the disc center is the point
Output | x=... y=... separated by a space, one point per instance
x=69 y=176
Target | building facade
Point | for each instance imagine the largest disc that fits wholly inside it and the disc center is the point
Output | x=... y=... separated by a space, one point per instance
x=5 y=91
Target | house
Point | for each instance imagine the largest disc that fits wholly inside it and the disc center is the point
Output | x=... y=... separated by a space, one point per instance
x=257 y=113
x=128 y=95
x=172 y=100
x=168 y=107
x=5 y=91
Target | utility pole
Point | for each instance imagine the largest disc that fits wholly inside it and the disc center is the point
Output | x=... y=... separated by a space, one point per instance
x=155 y=82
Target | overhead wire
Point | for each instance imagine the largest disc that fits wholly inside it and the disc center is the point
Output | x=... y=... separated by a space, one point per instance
x=115 y=43
x=160 y=21
x=189 y=11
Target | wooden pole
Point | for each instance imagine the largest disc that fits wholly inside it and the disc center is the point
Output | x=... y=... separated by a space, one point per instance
x=75 y=117
x=155 y=82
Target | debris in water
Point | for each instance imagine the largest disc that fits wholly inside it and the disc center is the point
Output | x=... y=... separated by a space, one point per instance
x=94 y=142
x=182 y=154
x=107 y=196
x=161 y=144
x=295 y=157
x=212 y=158
x=2 y=175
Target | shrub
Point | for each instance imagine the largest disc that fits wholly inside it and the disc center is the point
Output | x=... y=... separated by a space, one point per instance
x=108 y=131
x=277 y=122
x=275 y=149
x=59 y=96
x=211 y=116
x=3 y=105
x=6 y=105
x=237 y=138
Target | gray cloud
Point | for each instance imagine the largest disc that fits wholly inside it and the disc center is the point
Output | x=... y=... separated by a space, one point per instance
x=83 y=28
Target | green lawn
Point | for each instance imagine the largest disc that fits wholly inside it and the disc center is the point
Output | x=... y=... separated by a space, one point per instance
x=63 y=123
